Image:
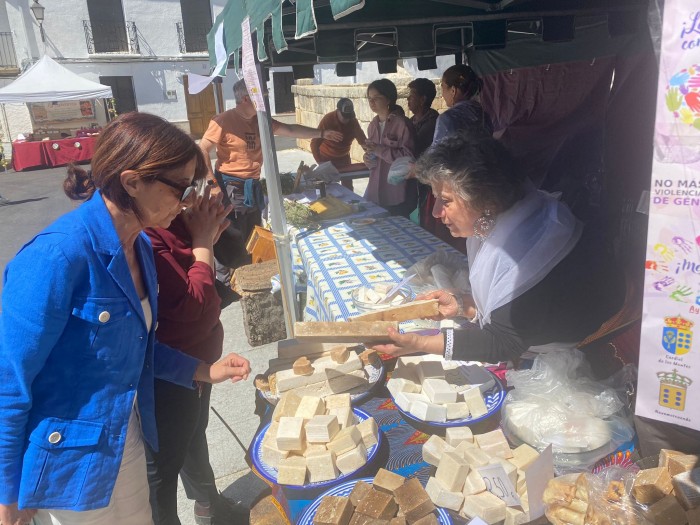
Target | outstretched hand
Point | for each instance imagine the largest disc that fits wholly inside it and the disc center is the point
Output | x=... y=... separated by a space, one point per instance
x=410 y=343
x=231 y=366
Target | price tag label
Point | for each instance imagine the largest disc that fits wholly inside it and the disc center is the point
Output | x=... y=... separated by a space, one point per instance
x=498 y=483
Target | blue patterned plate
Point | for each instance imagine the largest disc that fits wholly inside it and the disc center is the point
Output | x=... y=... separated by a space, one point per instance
x=270 y=473
x=493 y=398
x=358 y=395
x=344 y=490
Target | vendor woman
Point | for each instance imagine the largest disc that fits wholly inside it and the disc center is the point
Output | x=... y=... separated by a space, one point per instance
x=536 y=275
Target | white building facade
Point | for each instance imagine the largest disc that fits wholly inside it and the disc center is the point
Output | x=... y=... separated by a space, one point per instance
x=143 y=49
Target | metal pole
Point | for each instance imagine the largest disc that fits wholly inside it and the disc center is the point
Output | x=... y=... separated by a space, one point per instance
x=218 y=103
x=277 y=217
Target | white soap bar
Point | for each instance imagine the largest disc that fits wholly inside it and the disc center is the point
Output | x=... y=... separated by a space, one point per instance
x=322 y=428
x=338 y=401
x=310 y=407
x=340 y=382
x=521 y=485
x=523 y=456
x=476 y=457
x=352 y=460
x=464 y=445
x=396 y=385
x=429 y=411
x=314 y=448
x=369 y=431
x=516 y=517
x=486 y=506
x=494 y=444
x=438 y=391
x=286 y=406
x=345 y=416
x=322 y=467
x=290 y=434
x=434 y=448
x=442 y=497
x=455 y=435
x=457 y=410
x=272 y=455
x=508 y=467
x=345 y=440
x=404 y=399
x=473 y=484
x=324 y=369
x=292 y=471
x=452 y=470
x=475 y=402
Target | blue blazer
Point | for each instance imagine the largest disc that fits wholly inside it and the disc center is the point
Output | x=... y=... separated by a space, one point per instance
x=74 y=351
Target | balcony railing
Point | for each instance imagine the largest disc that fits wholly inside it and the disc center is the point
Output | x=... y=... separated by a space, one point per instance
x=192 y=38
x=111 y=37
x=8 y=57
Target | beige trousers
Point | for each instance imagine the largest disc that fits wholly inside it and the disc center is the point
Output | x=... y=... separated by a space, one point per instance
x=129 y=504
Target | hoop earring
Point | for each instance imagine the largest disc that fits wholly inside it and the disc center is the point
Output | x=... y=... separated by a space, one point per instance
x=483 y=225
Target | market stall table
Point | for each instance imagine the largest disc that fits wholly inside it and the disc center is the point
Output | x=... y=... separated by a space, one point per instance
x=64 y=151
x=27 y=155
x=351 y=254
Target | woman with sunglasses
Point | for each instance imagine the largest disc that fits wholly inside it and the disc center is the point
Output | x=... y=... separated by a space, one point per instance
x=78 y=354
x=188 y=319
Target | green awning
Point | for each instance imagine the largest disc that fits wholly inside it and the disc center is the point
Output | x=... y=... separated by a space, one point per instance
x=334 y=31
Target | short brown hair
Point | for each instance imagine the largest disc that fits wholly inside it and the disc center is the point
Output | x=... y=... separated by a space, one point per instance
x=134 y=141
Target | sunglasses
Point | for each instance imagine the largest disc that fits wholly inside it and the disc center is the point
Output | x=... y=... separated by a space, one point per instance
x=185 y=191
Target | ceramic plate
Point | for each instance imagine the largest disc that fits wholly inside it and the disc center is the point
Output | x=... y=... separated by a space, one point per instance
x=307 y=518
x=270 y=473
x=375 y=374
x=493 y=398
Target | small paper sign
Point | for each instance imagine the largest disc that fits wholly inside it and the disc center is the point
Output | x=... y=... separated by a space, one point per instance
x=537 y=475
x=499 y=484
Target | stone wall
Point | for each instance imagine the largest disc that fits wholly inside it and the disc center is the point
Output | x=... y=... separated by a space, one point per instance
x=314 y=101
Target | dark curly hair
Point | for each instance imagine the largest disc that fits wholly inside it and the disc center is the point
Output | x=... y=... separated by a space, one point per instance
x=478 y=169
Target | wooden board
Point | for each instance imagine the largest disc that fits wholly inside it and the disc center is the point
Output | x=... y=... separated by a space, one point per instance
x=403 y=312
x=293 y=348
x=342 y=332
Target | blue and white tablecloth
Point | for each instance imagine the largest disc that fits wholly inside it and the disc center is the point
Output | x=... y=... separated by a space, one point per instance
x=340 y=258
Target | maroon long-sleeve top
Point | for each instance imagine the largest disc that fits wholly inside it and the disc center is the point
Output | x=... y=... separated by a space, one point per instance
x=188 y=305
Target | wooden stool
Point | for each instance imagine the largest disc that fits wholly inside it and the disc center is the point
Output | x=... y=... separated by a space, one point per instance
x=263 y=313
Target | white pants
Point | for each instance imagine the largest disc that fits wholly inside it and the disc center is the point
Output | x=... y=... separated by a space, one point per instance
x=129 y=504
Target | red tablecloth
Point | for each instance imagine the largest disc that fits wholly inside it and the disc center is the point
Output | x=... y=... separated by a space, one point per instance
x=26 y=155
x=51 y=153
x=64 y=151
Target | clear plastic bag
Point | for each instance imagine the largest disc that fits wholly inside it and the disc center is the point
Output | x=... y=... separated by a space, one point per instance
x=451 y=271
x=593 y=499
x=399 y=170
x=557 y=403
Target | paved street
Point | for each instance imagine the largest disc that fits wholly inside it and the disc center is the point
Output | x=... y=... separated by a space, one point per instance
x=36 y=199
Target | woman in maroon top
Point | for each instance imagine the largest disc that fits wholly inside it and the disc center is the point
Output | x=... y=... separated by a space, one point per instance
x=188 y=319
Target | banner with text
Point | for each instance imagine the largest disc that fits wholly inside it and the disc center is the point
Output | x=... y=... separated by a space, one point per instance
x=669 y=363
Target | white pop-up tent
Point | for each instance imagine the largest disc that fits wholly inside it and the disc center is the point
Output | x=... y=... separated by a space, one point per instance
x=49 y=81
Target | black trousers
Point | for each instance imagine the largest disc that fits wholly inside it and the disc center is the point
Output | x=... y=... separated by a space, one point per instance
x=182 y=416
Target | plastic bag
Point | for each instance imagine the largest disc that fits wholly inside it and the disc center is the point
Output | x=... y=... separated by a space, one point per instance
x=451 y=271
x=593 y=499
x=557 y=403
x=399 y=170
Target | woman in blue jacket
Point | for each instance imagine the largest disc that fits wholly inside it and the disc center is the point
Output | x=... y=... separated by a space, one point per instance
x=77 y=351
